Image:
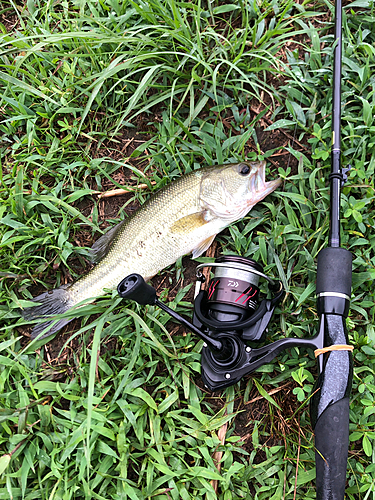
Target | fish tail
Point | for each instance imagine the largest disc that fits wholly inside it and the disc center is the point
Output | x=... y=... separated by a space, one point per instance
x=49 y=304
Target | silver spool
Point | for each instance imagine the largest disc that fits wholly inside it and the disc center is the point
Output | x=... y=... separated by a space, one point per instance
x=248 y=276
x=248 y=272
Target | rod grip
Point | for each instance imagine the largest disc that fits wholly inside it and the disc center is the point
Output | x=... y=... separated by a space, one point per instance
x=331 y=443
x=329 y=410
x=334 y=272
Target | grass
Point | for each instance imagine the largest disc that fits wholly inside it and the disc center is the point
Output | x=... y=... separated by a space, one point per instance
x=119 y=410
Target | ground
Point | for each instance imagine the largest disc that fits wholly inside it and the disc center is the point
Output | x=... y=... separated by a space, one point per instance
x=60 y=357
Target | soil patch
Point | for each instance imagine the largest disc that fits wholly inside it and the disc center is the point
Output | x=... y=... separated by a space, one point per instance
x=9 y=18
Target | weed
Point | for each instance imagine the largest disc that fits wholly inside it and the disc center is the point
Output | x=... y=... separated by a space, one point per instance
x=118 y=410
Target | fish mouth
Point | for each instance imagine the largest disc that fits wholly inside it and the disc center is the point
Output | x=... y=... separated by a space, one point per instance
x=259 y=186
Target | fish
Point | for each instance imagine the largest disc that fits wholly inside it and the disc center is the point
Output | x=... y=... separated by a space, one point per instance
x=182 y=218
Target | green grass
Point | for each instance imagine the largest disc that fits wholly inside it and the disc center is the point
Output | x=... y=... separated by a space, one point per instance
x=121 y=413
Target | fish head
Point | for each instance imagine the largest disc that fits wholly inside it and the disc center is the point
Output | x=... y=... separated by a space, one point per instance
x=229 y=191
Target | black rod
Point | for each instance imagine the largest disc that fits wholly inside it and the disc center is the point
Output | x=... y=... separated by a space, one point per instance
x=334 y=233
x=329 y=405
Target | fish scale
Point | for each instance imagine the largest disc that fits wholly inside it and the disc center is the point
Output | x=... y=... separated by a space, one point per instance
x=180 y=219
x=145 y=243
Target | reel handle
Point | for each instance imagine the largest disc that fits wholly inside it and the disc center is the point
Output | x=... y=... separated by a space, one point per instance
x=134 y=287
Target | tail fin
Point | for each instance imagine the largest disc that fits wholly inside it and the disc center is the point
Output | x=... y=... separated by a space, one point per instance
x=49 y=304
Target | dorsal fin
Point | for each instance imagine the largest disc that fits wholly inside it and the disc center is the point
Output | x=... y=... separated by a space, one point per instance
x=102 y=246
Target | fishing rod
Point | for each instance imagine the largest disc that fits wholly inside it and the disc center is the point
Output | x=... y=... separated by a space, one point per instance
x=329 y=408
x=228 y=315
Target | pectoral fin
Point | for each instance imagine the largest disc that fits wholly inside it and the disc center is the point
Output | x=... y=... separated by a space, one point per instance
x=190 y=222
x=101 y=246
x=202 y=247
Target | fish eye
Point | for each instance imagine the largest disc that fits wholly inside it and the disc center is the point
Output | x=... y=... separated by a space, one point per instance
x=244 y=169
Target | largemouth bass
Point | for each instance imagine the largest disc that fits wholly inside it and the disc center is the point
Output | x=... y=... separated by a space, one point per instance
x=180 y=219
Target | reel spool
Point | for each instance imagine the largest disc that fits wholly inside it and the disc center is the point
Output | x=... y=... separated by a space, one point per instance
x=232 y=297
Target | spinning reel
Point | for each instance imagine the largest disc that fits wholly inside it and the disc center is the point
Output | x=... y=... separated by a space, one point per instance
x=230 y=310
x=231 y=302
x=226 y=316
